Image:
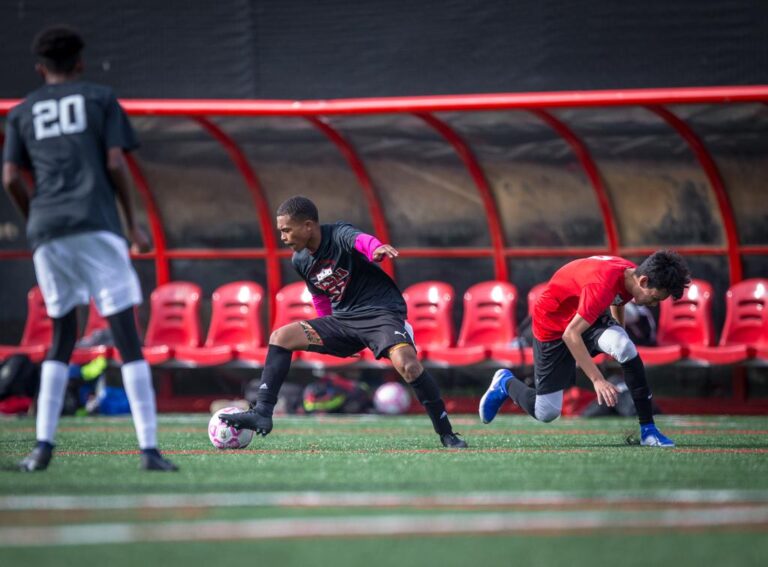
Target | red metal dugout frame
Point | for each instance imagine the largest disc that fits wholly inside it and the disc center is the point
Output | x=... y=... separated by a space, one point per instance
x=424 y=107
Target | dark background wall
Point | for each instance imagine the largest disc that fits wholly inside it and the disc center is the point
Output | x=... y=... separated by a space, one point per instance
x=357 y=48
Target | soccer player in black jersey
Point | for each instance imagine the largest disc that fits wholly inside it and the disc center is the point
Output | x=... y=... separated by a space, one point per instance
x=72 y=135
x=359 y=306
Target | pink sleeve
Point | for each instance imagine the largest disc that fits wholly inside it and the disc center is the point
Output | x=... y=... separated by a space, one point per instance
x=367 y=245
x=322 y=305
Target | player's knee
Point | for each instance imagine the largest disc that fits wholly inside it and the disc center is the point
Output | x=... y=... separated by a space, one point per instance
x=281 y=337
x=547 y=414
x=408 y=367
x=547 y=409
x=275 y=337
x=616 y=343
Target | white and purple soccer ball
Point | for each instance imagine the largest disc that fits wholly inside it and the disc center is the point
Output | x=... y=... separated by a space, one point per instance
x=225 y=437
x=392 y=398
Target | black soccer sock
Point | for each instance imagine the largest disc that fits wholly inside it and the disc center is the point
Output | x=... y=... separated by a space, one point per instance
x=634 y=376
x=428 y=394
x=524 y=396
x=275 y=370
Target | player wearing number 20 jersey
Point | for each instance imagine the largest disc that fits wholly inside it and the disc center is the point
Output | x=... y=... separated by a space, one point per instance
x=63 y=131
x=72 y=136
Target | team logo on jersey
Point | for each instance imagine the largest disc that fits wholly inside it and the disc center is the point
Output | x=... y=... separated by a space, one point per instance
x=324 y=273
x=333 y=282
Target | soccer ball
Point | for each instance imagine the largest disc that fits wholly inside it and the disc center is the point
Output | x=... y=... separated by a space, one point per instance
x=392 y=398
x=225 y=437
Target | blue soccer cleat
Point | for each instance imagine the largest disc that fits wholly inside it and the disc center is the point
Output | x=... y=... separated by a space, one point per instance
x=650 y=436
x=495 y=396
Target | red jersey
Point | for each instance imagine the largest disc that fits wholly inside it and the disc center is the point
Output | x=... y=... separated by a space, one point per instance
x=587 y=286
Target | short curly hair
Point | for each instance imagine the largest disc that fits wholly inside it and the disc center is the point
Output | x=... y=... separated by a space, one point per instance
x=298 y=208
x=666 y=270
x=58 y=48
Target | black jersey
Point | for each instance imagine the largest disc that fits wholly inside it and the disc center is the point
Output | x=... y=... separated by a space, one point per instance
x=356 y=286
x=63 y=133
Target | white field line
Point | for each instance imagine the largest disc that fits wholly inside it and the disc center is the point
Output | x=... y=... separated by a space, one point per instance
x=391 y=525
x=375 y=499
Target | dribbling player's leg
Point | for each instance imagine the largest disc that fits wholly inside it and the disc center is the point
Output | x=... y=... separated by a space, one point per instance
x=282 y=343
x=405 y=361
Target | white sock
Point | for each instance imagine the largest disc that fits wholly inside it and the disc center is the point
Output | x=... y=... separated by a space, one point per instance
x=137 y=380
x=54 y=376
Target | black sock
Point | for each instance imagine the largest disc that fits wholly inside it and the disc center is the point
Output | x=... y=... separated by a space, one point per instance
x=428 y=394
x=634 y=376
x=45 y=445
x=523 y=396
x=275 y=370
x=151 y=451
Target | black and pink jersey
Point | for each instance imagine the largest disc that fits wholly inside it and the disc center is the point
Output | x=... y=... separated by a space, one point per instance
x=355 y=285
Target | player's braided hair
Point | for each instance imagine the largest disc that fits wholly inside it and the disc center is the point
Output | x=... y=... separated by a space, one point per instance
x=298 y=208
x=58 y=48
x=666 y=270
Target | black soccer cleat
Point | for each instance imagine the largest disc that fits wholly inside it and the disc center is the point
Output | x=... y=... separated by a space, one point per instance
x=453 y=441
x=154 y=461
x=251 y=419
x=37 y=460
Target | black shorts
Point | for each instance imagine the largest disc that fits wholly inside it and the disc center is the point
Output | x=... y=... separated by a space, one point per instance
x=345 y=336
x=554 y=367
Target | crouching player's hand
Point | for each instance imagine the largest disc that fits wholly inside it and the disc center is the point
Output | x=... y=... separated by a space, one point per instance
x=607 y=394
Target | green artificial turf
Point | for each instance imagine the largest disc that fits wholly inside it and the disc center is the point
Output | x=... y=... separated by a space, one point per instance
x=515 y=458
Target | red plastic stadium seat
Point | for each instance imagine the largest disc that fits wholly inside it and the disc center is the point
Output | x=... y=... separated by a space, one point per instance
x=38 y=330
x=487 y=328
x=430 y=309
x=745 y=332
x=293 y=304
x=95 y=323
x=173 y=320
x=235 y=329
x=684 y=323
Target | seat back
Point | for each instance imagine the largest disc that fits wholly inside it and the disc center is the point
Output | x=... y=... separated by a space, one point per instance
x=430 y=313
x=746 y=313
x=688 y=320
x=174 y=315
x=38 y=328
x=489 y=315
x=293 y=303
x=235 y=315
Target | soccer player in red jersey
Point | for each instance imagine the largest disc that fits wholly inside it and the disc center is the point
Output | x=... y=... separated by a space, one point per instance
x=571 y=324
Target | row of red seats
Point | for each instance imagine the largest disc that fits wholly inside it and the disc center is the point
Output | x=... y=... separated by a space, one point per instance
x=685 y=327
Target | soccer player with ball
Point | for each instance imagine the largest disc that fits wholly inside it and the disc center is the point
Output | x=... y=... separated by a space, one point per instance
x=358 y=306
x=571 y=324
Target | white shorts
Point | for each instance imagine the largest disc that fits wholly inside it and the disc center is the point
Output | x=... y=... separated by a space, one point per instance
x=72 y=269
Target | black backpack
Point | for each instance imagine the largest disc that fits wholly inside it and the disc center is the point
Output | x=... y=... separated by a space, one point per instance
x=18 y=377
